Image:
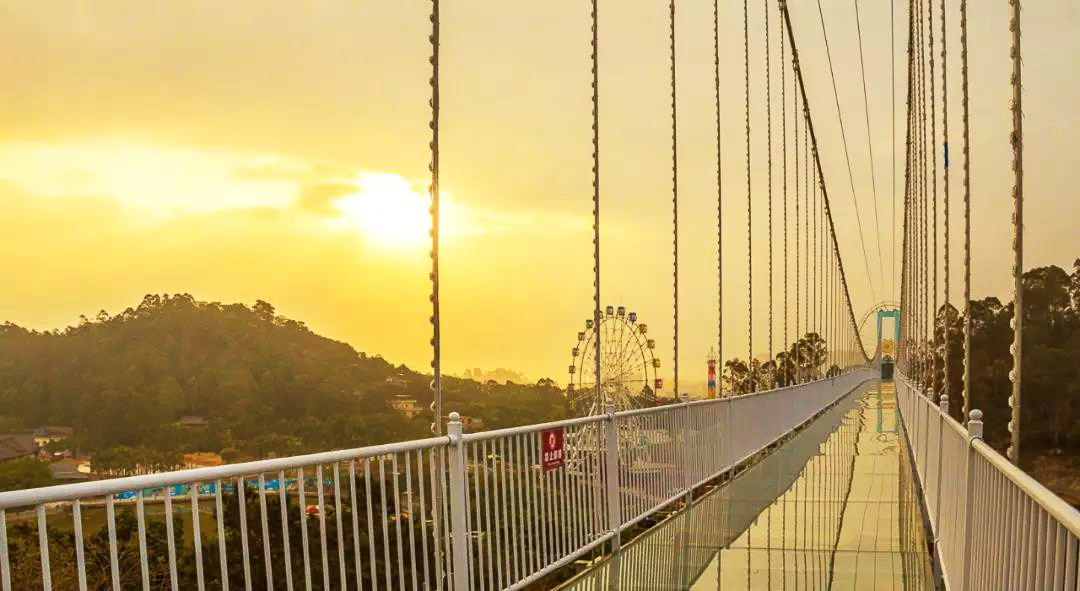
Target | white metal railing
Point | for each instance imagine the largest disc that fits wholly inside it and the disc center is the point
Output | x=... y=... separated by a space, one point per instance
x=995 y=526
x=482 y=511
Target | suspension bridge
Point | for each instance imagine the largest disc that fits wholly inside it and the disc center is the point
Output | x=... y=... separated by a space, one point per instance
x=821 y=475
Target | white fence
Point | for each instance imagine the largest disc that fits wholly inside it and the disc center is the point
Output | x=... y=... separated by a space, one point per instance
x=480 y=511
x=995 y=526
x=674 y=554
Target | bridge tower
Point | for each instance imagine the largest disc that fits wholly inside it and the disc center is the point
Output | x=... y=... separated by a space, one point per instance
x=887 y=349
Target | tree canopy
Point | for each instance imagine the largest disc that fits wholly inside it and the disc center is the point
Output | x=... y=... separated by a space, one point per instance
x=266 y=385
x=1050 y=414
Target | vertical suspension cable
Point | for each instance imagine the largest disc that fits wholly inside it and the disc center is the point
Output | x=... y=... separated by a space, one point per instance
x=798 y=252
x=826 y=294
x=924 y=203
x=594 y=41
x=916 y=172
x=719 y=199
x=783 y=143
x=819 y=262
x=806 y=234
x=1017 y=141
x=892 y=79
x=922 y=290
x=927 y=163
x=768 y=126
x=967 y=211
x=945 y=153
x=917 y=292
x=749 y=204
x=934 y=201
x=906 y=311
x=816 y=327
x=822 y=273
x=675 y=198
x=433 y=190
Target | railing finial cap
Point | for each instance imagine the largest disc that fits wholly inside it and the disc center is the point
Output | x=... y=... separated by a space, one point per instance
x=975 y=415
x=455 y=417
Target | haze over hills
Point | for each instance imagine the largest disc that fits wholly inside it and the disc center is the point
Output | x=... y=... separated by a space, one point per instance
x=499 y=374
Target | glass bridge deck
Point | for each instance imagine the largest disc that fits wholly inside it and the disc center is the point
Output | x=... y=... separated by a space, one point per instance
x=835 y=507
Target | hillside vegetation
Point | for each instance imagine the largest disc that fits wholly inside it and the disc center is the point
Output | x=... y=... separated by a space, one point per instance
x=266 y=384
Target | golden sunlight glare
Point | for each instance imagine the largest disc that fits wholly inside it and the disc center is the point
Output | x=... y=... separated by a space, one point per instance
x=387 y=210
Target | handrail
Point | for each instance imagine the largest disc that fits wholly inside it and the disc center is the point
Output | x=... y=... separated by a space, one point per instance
x=538 y=508
x=98 y=488
x=508 y=431
x=1028 y=536
x=1058 y=508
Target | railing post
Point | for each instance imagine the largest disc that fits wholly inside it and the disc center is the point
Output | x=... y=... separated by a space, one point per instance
x=611 y=464
x=943 y=405
x=684 y=445
x=459 y=505
x=929 y=394
x=975 y=431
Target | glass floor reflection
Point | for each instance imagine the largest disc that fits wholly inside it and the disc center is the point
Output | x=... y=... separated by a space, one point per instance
x=834 y=508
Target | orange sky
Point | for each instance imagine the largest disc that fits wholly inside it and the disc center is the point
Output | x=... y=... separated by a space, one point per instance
x=239 y=151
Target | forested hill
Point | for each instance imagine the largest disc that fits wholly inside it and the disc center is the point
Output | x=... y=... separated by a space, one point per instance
x=266 y=384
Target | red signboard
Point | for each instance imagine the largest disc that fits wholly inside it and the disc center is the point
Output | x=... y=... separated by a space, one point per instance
x=551 y=449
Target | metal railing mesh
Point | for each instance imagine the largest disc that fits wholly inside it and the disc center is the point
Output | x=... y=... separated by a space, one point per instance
x=482 y=511
x=995 y=527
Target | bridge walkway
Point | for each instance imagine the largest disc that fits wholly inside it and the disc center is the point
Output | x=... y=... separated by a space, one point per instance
x=835 y=507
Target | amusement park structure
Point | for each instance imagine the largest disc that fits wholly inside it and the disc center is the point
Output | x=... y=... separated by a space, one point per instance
x=628 y=367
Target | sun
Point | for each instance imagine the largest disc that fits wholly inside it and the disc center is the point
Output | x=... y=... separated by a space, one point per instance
x=387 y=210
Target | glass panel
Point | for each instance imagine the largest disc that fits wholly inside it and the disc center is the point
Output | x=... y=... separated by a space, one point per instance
x=834 y=507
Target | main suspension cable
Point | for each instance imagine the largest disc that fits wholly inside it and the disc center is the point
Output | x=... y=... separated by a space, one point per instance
x=817 y=166
x=869 y=144
x=847 y=155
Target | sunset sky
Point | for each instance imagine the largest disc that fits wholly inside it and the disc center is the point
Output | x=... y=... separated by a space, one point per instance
x=276 y=150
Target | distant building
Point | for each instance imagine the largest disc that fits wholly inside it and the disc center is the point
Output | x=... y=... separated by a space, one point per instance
x=406 y=405
x=49 y=433
x=192 y=421
x=202 y=459
x=17 y=445
x=70 y=469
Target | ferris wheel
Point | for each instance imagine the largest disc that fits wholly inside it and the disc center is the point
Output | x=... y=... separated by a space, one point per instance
x=627 y=365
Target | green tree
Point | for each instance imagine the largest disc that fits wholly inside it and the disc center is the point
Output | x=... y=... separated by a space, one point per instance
x=24 y=473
